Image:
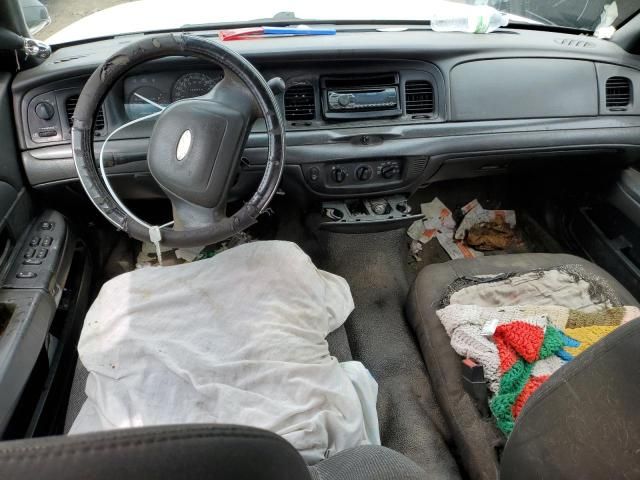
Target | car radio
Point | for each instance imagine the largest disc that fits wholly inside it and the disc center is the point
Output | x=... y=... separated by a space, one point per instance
x=357 y=96
x=365 y=99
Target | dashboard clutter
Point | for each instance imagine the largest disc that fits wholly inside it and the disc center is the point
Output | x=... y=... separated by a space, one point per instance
x=479 y=230
x=254 y=32
x=469 y=19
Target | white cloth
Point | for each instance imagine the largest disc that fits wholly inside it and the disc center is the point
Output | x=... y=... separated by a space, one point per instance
x=549 y=287
x=238 y=338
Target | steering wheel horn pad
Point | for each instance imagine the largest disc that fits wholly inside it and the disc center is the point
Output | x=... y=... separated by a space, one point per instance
x=193 y=147
x=196 y=144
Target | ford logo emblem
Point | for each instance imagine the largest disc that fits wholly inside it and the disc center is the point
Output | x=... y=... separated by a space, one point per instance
x=184 y=144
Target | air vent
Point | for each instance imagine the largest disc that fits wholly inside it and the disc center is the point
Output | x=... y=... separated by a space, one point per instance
x=416 y=167
x=299 y=103
x=70 y=106
x=418 y=97
x=618 y=93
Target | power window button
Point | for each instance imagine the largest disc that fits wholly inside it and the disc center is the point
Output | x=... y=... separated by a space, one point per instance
x=26 y=275
x=46 y=225
x=32 y=261
x=30 y=252
x=42 y=252
x=34 y=242
x=46 y=241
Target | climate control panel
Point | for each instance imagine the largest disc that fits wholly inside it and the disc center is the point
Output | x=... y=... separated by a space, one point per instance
x=362 y=172
x=352 y=176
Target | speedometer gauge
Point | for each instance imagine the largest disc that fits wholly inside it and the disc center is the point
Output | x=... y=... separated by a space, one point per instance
x=193 y=84
x=139 y=102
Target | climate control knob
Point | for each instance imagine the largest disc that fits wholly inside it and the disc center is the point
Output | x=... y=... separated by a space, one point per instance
x=363 y=173
x=389 y=170
x=339 y=174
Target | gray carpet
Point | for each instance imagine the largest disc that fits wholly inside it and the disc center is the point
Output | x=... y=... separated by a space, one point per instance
x=375 y=265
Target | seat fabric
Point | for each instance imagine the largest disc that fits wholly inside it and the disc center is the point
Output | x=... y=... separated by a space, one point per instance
x=476 y=438
x=370 y=462
x=186 y=452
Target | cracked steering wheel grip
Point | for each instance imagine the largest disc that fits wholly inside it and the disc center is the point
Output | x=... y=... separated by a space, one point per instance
x=154 y=47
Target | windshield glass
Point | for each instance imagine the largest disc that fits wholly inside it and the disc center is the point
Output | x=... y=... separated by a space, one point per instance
x=59 y=21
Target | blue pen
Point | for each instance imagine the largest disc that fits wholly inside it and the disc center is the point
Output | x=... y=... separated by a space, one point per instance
x=303 y=30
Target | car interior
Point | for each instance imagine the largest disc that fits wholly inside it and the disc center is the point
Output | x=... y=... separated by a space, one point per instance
x=127 y=157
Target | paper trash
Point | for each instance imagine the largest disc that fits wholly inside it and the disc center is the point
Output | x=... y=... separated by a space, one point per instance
x=474 y=213
x=438 y=222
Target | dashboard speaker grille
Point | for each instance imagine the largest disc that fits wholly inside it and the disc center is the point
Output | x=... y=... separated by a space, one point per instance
x=618 y=93
x=70 y=106
x=418 y=97
x=299 y=102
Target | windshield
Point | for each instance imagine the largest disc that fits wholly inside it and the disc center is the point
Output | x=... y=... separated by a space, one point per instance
x=59 y=21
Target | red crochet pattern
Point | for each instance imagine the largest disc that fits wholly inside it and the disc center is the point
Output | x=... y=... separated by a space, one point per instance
x=524 y=338
x=531 y=386
x=506 y=353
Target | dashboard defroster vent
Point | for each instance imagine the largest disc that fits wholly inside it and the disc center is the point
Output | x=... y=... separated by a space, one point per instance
x=618 y=93
x=70 y=106
x=418 y=97
x=299 y=102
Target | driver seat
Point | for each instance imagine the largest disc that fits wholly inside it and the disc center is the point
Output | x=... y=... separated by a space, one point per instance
x=237 y=450
x=191 y=452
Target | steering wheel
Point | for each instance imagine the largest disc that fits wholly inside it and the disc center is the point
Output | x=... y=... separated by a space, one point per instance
x=195 y=147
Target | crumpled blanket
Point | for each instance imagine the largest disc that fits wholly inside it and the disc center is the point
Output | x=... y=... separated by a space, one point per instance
x=520 y=346
x=238 y=338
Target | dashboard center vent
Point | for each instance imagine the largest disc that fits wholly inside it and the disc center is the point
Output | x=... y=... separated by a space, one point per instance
x=618 y=93
x=299 y=102
x=418 y=97
x=70 y=106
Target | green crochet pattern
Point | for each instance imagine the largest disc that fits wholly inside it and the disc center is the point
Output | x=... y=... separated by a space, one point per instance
x=511 y=384
x=515 y=379
x=554 y=340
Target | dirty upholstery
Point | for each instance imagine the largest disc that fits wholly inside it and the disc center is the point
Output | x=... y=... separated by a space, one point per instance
x=477 y=439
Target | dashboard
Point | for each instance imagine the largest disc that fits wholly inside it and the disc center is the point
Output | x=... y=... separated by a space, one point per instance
x=141 y=92
x=367 y=112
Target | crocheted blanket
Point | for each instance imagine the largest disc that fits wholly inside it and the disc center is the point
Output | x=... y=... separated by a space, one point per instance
x=519 y=347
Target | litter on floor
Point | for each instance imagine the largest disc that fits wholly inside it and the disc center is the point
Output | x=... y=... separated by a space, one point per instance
x=478 y=231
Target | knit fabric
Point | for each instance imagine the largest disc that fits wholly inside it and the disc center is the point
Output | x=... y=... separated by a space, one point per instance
x=530 y=343
x=609 y=316
x=531 y=386
x=587 y=336
x=527 y=344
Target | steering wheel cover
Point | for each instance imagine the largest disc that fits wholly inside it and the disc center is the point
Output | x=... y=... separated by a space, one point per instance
x=154 y=47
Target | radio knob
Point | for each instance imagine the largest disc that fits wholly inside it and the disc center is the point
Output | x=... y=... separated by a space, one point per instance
x=363 y=173
x=344 y=100
x=339 y=174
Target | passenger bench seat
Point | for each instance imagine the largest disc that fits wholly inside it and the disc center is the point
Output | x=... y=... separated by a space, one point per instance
x=477 y=438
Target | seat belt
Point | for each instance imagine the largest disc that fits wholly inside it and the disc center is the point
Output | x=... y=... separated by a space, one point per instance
x=475 y=385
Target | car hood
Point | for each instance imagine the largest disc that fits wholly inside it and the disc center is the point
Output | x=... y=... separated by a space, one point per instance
x=150 y=15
